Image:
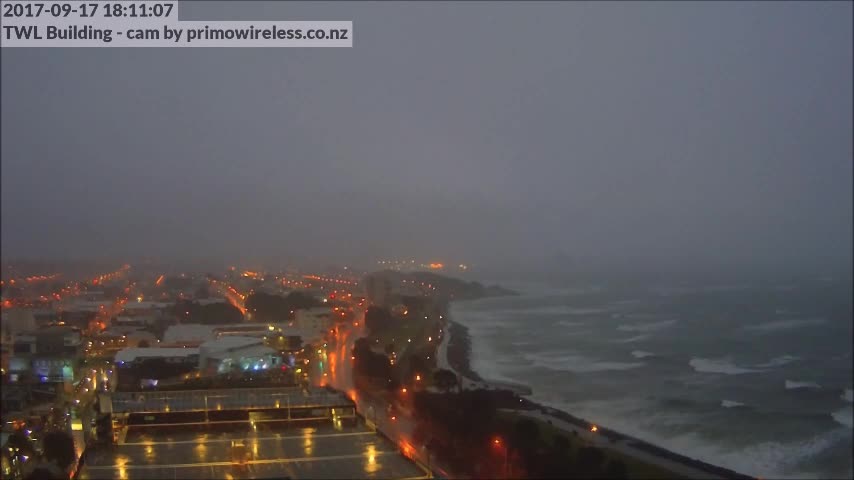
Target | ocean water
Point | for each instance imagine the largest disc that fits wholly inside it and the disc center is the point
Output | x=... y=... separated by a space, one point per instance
x=750 y=376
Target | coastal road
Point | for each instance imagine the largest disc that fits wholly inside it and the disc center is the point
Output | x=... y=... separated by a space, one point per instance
x=401 y=429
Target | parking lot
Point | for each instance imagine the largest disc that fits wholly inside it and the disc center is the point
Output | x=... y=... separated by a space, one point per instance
x=272 y=451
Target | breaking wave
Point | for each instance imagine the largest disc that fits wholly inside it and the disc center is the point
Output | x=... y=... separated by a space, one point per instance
x=843 y=416
x=646 y=327
x=793 y=385
x=778 y=361
x=641 y=354
x=785 y=324
x=576 y=363
x=721 y=365
x=567 y=323
x=636 y=338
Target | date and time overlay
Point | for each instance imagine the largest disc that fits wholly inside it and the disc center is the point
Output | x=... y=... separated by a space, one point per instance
x=152 y=24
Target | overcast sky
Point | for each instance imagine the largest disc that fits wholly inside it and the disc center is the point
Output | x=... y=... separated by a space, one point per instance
x=622 y=134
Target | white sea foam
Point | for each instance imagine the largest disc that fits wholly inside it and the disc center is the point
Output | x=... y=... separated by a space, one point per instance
x=778 y=361
x=731 y=404
x=484 y=359
x=641 y=354
x=630 y=301
x=567 y=323
x=785 y=324
x=636 y=338
x=646 y=327
x=766 y=459
x=793 y=385
x=719 y=365
x=846 y=395
x=540 y=310
x=671 y=290
x=576 y=363
x=843 y=416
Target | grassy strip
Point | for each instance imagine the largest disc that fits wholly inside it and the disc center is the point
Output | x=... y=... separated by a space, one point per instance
x=636 y=469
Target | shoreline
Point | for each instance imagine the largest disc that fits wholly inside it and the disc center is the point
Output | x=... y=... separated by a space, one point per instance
x=458 y=357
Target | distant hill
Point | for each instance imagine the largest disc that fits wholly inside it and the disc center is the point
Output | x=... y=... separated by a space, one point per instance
x=442 y=286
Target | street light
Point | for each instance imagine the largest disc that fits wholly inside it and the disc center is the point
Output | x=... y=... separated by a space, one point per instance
x=498 y=443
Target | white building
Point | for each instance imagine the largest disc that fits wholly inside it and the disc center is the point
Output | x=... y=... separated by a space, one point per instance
x=209 y=301
x=211 y=357
x=314 y=319
x=17 y=320
x=170 y=355
x=236 y=353
x=188 y=333
x=194 y=334
x=146 y=305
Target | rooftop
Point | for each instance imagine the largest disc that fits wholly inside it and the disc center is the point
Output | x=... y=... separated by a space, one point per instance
x=145 y=305
x=275 y=451
x=194 y=332
x=208 y=301
x=253 y=351
x=189 y=332
x=231 y=342
x=51 y=330
x=131 y=354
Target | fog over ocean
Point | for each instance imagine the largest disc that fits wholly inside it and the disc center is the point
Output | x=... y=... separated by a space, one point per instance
x=752 y=376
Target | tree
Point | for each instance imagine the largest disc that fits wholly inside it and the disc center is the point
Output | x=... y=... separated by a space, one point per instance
x=202 y=292
x=300 y=300
x=525 y=433
x=186 y=310
x=177 y=283
x=377 y=318
x=389 y=349
x=143 y=344
x=524 y=439
x=58 y=447
x=444 y=379
x=273 y=308
x=416 y=365
x=616 y=470
x=590 y=461
x=557 y=462
x=17 y=440
x=104 y=428
x=217 y=314
x=361 y=348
